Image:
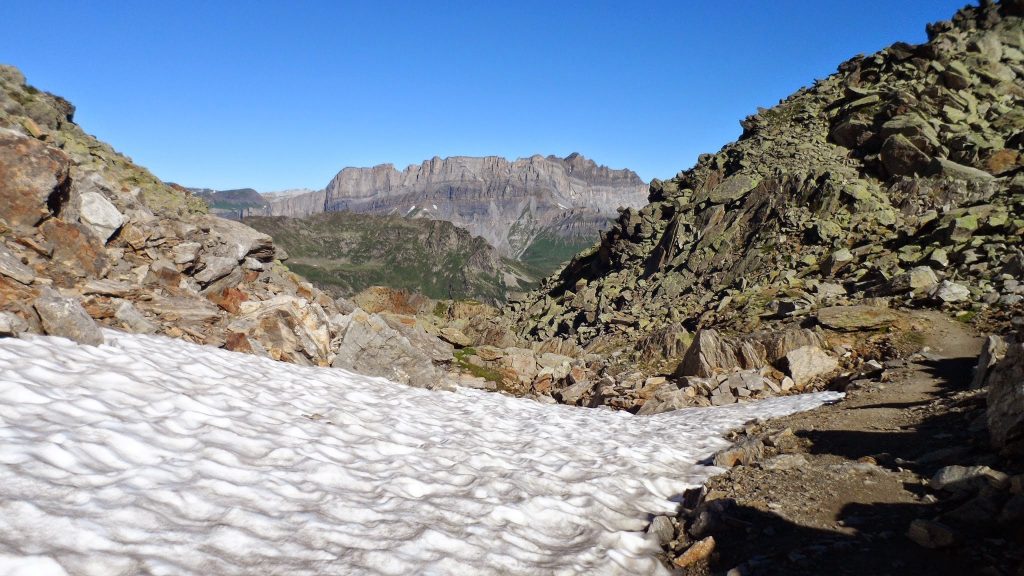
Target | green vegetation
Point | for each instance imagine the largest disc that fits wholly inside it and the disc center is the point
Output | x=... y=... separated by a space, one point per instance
x=548 y=253
x=344 y=253
x=462 y=359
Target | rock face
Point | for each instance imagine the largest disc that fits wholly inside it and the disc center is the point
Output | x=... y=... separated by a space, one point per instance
x=88 y=239
x=843 y=194
x=1006 y=400
x=511 y=204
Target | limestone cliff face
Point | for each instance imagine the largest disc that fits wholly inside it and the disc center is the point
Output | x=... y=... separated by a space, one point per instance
x=508 y=203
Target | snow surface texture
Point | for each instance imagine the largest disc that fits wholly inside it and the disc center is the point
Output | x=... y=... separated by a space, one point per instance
x=154 y=456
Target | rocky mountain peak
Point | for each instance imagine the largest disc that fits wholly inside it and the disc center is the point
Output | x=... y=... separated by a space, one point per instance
x=512 y=204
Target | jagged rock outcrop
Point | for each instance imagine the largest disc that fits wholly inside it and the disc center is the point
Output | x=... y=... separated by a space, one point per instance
x=908 y=158
x=88 y=239
x=511 y=204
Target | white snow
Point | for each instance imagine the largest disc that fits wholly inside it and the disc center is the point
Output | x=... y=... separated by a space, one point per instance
x=154 y=456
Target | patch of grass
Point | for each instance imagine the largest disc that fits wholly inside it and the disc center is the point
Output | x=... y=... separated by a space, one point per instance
x=462 y=360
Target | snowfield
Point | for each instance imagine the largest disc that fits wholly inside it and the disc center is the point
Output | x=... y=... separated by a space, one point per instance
x=154 y=456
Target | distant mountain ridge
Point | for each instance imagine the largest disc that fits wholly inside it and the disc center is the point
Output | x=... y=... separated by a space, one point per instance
x=513 y=204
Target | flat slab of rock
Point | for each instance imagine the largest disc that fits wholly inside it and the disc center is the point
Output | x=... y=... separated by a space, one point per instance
x=854 y=318
x=12 y=267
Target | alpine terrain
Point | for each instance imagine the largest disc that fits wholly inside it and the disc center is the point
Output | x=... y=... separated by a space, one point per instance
x=802 y=355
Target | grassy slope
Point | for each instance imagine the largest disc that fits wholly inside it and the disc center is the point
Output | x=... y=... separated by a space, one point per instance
x=345 y=253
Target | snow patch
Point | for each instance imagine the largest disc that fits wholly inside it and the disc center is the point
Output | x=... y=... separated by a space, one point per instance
x=156 y=456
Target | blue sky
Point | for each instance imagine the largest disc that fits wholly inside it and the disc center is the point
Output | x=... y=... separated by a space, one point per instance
x=275 y=95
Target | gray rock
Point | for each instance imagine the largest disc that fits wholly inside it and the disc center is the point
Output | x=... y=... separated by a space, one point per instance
x=855 y=318
x=574 y=393
x=734 y=187
x=809 y=362
x=919 y=280
x=992 y=352
x=662 y=529
x=12 y=267
x=236 y=240
x=99 y=215
x=950 y=292
x=901 y=158
x=214 y=268
x=186 y=252
x=967 y=478
x=11 y=324
x=65 y=317
x=785 y=462
x=949 y=169
x=133 y=319
x=364 y=343
x=1006 y=401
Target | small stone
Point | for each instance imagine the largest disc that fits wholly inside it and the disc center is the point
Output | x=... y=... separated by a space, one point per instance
x=699 y=552
x=12 y=267
x=662 y=529
x=11 y=325
x=785 y=462
x=951 y=292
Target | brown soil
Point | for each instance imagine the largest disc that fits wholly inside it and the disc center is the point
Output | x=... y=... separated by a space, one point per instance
x=869 y=461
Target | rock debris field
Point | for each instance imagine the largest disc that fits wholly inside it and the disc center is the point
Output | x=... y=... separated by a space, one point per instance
x=152 y=455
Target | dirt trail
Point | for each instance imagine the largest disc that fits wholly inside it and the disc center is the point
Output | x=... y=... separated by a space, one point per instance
x=858 y=474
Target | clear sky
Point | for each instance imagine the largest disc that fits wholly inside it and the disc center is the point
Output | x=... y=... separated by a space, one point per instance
x=275 y=95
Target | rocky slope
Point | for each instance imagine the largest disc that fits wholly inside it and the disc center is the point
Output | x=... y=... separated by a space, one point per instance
x=511 y=204
x=895 y=182
x=345 y=253
x=87 y=238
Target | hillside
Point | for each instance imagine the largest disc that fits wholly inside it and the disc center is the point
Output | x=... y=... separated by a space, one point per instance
x=230 y=203
x=344 y=253
x=88 y=239
x=896 y=181
x=536 y=209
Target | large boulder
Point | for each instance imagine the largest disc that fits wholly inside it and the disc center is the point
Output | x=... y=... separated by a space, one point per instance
x=364 y=343
x=33 y=179
x=99 y=215
x=856 y=318
x=65 y=317
x=1006 y=401
x=809 y=362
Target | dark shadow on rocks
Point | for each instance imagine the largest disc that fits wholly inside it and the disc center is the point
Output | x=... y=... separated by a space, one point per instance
x=873 y=542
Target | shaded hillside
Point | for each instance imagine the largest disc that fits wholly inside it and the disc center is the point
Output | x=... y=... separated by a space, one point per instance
x=897 y=179
x=344 y=253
